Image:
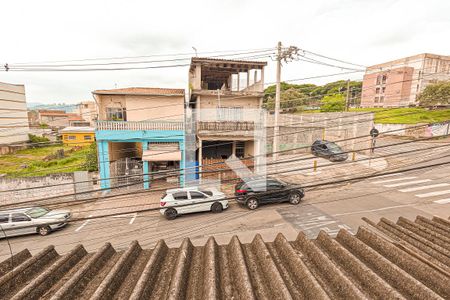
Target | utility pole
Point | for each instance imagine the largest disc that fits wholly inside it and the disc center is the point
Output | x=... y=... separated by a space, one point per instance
x=288 y=54
x=276 y=128
x=347 y=97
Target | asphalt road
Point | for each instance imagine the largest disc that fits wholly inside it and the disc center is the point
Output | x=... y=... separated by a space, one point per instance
x=424 y=192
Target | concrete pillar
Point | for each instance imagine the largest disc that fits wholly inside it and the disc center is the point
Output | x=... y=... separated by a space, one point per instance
x=145 y=168
x=200 y=157
x=248 y=78
x=103 y=157
x=233 y=148
x=238 y=81
x=182 y=164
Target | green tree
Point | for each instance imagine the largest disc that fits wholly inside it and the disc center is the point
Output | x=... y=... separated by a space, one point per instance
x=332 y=103
x=435 y=94
x=91 y=163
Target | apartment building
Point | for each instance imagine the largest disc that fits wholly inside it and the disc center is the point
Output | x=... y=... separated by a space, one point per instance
x=397 y=83
x=140 y=131
x=226 y=98
x=14 y=126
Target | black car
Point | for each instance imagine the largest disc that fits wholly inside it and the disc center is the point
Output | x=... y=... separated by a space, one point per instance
x=328 y=150
x=252 y=193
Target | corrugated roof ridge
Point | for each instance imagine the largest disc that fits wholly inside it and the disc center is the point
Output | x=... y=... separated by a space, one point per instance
x=362 y=265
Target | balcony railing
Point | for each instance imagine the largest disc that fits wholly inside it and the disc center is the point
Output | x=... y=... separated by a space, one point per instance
x=140 y=125
x=226 y=126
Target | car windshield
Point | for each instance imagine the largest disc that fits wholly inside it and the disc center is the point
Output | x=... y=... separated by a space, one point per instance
x=334 y=148
x=37 y=212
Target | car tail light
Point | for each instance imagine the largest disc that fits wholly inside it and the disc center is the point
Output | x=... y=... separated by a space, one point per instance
x=162 y=203
x=241 y=191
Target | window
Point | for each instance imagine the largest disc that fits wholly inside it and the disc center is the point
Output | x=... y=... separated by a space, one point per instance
x=417 y=88
x=197 y=195
x=381 y=99
x=383 y=80
x=19 y=218
x=377 y=99
x=377 y=91
x=72 y=137
x=230 y=113
x=65 y=137
x=4 y=218
x=180 y=196
x=87 y=137
x=209 y=193
x=383 y=89
x=378 y=79
x=37 y=212
x=272 y=184
x=116 y=114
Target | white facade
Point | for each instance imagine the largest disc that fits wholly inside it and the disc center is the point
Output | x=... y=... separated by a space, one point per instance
x=13 y=114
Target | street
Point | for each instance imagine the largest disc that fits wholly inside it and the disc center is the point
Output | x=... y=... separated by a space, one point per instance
x=331 y=208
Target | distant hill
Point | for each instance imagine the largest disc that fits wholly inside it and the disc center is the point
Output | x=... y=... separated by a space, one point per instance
x=58 y=106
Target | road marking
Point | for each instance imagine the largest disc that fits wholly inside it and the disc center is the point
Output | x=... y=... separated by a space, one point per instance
x=371 y=210
x=396 y=179
x=442 y=201
x=133 y=218
x=425 y=187
x=388 y=175
x=84 y=224
x=407 y=183
x=438 y=193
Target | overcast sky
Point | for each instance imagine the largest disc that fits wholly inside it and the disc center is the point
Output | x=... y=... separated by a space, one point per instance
x=360 y=31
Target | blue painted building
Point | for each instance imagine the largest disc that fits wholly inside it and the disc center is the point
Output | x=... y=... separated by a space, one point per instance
x=140 y=136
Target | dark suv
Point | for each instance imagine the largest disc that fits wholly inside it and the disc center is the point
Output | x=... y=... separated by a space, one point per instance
x=328 y=150
x=252 y=193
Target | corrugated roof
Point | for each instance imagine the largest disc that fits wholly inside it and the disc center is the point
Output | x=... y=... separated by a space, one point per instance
x=75 y=129
x=403 y=260
x=140 y=91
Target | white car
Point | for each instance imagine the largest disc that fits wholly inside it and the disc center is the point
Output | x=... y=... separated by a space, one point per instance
x=189 y=200
x=29 y=220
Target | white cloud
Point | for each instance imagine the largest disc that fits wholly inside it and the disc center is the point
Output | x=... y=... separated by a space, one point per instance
x=360 y=31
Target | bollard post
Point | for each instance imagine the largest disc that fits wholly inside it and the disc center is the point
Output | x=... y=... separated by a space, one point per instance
x=315 y=165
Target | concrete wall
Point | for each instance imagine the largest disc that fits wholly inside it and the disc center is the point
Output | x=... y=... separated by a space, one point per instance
x=13 y=114
x=30 y=182
x=300 y=131
x=415 y=130
x=142 y=107
x=88 y=111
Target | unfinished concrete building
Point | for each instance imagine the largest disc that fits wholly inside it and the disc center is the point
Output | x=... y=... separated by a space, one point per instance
x=226 y=98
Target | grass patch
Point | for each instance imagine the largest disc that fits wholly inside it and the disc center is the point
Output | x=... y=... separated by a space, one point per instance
x=409 y=115
x=13 y=165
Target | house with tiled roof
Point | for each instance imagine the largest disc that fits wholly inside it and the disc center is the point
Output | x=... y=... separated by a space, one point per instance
x=384 y=260
x=139 y=130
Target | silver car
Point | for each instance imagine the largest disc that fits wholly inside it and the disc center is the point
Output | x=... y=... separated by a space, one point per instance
x=30 y=220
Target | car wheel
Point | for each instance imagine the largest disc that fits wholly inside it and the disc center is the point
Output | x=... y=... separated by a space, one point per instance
x=170 y=213
x=252 y=203
x=295 y=198
x=43 y=230
x=216 y=207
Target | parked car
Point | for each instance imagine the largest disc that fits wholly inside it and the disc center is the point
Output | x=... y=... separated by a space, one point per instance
x=252 y=193
x=328 y=150
x=189 y=200
x=30 y=220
